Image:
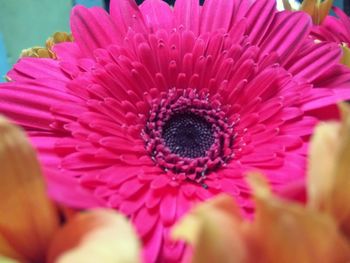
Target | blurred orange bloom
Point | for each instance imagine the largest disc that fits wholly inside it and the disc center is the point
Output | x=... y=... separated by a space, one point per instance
x=282 y=231
x=317 y=9
x=30 y=224
x=346 y=55
x=329 y=170
x=47 y=51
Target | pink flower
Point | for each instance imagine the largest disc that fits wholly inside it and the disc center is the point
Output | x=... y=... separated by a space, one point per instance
x=152 y=109
x=334 y=29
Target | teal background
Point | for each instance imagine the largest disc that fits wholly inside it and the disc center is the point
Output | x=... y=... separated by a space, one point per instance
x=28 y=23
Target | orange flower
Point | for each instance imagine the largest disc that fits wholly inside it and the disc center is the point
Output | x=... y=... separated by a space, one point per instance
x=287 y=231
x=317 y=9
x=329 y=170
x=283 y=231
x=217 y=231
x=47 y=51
x=30 y=228
x=346 y=55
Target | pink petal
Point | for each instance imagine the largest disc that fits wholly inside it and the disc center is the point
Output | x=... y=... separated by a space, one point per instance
x=265 y=82
x=172 y=251
x=153 y=199
x=145 y=221
x=63 y=187
x=340 y=94
x=28 y=103
x=83 y=161
x=36 y=68
x=159 y=182
x=300 y=128
x=258 y=157
x=68 y=51
x=294 y=191
x=288 y=141
x=116 y=175
x=130 y=188
x=238 y=30
x=337 y=76
x=313 y=63
x=157 y=14
x=216 y=14
x=344 y=18
x=131 y=206
x=269 y=109
x=45 y=144
x=328 y=113
x=153 y=245
x=168 y=208
x=187 y=14
x=259 y=18
x=126 y=14
x=230 y=187
x=93 y=28
x=287 y=34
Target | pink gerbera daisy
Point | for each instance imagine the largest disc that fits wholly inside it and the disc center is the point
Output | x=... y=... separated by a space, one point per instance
x=152 y=109
x=334 y=29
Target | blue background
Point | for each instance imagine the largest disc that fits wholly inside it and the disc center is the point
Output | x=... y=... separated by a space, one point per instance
x=28 y=23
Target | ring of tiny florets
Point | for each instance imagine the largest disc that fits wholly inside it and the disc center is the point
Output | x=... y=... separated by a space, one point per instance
x=189 y=102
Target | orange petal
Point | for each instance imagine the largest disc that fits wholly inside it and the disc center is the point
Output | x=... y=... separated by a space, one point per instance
x=329 y=169
x=346 y=55
x=324 y=8
x=322 y=161
x=28 y=219
x=288 y=232
x=47 y=52
x=99 y=235
x=215 y=230
x=67 y=212
x=317 y=9
x=340 y=198
x=8 y=260
x=8 y=250
x=308 y=6
x=287 y=5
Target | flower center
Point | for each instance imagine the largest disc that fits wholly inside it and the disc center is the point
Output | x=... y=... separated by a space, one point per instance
x=188 y=135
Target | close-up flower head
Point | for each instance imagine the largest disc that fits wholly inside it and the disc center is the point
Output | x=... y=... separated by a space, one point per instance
x=152 y=109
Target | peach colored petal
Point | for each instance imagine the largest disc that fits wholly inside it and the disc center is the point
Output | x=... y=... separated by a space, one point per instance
x=317 y=9
x=8 y=250
x=324 y=8
x=288 y=232
x=67 y=212
x=47 y=51
x=309 y=6
x=99 y=235
x=322 y=155
x=329 y=169
x=287 y=5
x=340 y=198
x=346 y=55
x=28 y=219
x=7 y=260
x=215 y=230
